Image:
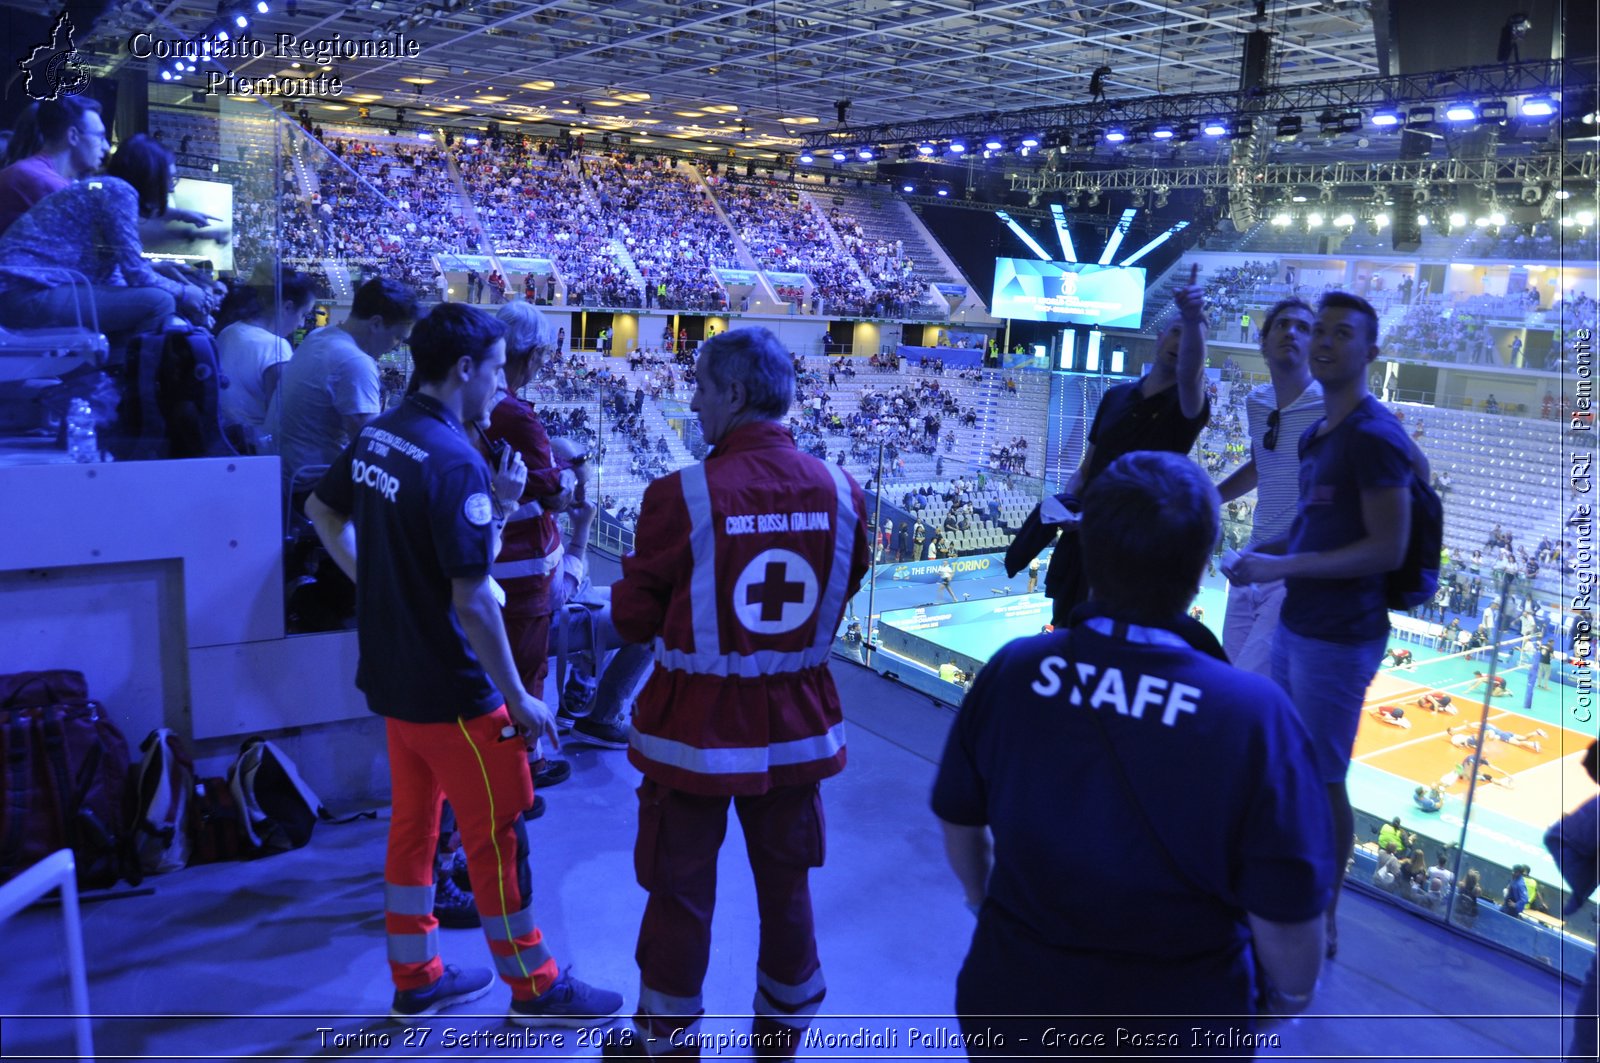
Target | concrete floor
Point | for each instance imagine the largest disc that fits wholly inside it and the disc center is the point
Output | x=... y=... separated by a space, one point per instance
x=284 y=958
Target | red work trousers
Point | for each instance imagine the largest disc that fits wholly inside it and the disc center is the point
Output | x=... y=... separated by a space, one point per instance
x=675 y=860
x=487 y=782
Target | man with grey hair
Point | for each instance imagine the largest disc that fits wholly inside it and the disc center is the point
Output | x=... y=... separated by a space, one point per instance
x=531 y=551
x=740 y=576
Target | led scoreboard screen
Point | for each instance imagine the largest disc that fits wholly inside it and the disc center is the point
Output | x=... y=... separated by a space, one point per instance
x=1072 y=293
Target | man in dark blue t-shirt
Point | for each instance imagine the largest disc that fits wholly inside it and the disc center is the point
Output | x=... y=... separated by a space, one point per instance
x=1351 y=530
x=1099 y=746
x=409 y=513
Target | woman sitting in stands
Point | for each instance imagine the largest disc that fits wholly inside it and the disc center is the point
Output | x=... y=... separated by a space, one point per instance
x=252 y=344
x=92 y=227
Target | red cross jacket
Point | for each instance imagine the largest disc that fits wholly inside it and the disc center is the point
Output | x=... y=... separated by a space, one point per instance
x=741 y=571
x=531 y=549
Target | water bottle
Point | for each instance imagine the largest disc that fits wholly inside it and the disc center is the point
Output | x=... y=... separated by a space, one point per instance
x=82 y=446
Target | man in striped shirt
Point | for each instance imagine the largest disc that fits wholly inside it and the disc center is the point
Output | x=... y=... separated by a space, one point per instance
x=1279 y=412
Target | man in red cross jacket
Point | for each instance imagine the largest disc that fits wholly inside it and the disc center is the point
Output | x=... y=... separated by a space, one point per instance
x=740 y=577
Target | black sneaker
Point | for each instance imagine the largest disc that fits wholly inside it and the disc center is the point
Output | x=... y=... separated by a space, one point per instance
x=577 y=696
x=452 y=905
x=537 y=810
x=598 y=733
x=555 y=771
x=455 y=986
x=568 y=1002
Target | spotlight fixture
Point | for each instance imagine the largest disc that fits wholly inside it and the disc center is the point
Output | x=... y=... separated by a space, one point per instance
x=1030 y=140
x=1538 y=107
x=471 y=142
x=1116 y=135
x=1163 y=131
x=926 y=148
x=1457 y=219
x=806 y=158
x=1328 y=123
x=942 y=189
x=1422 y=221
x=1243 y=129
x=1497 y=217
x=1188 y=132
x=1289 y=127
x=1493 y=111
x=1343 y=221
x=1350 y=121
x=1584 y=217
x=1281 y=219
x=1214 y=127
x=908 y=187
x=1419 y=117
x=242 y=20
x=262 y=8
x=839 y=155
x=1299 y=196
x=1387 y=117
x=1460 y=111
x=993 y=143
x=1086 y=140
x=1314 y=219
x=1380 y=220
x=958 y=146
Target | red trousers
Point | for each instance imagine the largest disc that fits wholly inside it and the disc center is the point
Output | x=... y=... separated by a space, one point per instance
x=675 y=860
x=489 y=787
x=528 y=634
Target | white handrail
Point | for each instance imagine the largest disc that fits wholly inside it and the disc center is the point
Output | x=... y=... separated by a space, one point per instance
x=58 y=871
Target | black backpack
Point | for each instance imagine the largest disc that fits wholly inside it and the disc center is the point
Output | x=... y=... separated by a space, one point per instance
x=171 y=388
x=1417 y=579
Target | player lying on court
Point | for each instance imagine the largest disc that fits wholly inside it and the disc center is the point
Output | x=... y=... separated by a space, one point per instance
x=1485 y=775
x=1437 y=701
x=1392 y=715
x=1466 y=736
x=1496 y=686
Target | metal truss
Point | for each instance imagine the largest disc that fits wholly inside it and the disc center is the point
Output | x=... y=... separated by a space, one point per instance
x=1530 y=78
x=1573 y=167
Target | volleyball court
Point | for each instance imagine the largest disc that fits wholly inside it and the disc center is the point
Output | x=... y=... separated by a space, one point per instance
x=1428 y=742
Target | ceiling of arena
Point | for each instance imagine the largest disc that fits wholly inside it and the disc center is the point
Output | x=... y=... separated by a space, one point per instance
x=756 y=75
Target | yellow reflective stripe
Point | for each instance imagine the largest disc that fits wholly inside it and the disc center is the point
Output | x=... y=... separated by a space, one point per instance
x=510 y=927
x=499 y=861
x=524 y=961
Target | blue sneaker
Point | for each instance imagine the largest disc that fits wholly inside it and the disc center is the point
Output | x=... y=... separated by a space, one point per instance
x=454 y=987
x=568 y=1002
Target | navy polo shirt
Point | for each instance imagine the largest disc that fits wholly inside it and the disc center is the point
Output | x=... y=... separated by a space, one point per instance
x=423 y=508
x=1367 y=451
x=1222 y=767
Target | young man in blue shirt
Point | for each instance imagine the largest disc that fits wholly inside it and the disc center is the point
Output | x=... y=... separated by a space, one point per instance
x=408 y=512
x=1351 y=530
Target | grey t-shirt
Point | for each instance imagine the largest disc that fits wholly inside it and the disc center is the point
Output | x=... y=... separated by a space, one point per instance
x=328 y=378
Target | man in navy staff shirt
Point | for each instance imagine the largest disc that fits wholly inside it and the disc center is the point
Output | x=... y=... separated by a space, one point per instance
x=1100 y=744
x=409 y=514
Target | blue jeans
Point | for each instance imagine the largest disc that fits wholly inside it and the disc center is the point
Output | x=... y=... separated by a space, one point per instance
x=122 y=311
x=1327 y=682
